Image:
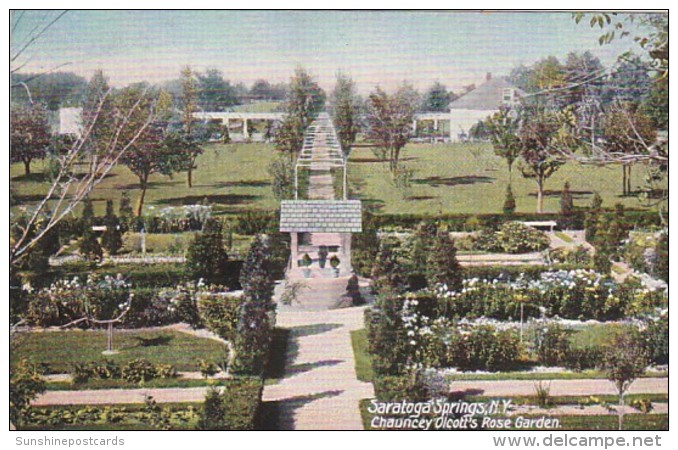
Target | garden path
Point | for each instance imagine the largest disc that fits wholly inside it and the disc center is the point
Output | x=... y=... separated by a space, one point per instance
x=320 y=390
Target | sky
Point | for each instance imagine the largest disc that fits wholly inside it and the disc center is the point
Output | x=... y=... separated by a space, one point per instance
x=373 y=47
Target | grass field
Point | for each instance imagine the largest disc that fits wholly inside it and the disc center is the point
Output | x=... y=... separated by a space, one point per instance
x=363 y=361
x=231 y=177
x=448 y=178
x=469 y=178
x=60 y=349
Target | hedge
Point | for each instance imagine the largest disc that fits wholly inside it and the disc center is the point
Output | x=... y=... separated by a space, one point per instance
x=241 y=398
x=460 y=222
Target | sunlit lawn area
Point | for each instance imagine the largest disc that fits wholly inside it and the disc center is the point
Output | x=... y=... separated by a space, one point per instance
x=61 y=349
x=447 y=178
x=469 y=178
x=231 y=177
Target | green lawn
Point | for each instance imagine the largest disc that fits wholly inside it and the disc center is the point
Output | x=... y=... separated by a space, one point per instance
x=363 y=361
x=232 y=177
x=448 y=178
x=564 y=237
x=469 y=178
x=60 y=349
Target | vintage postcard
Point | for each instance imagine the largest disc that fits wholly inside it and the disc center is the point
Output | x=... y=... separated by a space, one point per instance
x=338 y=220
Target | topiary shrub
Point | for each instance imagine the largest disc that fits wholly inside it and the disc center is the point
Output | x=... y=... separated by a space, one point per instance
x=206 y=258
x=509 y=202
x=442 y=266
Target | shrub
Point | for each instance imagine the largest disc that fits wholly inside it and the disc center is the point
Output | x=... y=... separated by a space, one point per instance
x=389 y=388
x=656 y=337
x=364 y=246
x=166 y=371
x=482 y=348
x=234 y=407
x=281 y=170
x=253 y=222
x=219 y=313
x=213 y=411
x=353 y=291
x=579 y=359
x=207 y=368
x=509 y=202
x=25 y=384
x=551 y=344
x=662 y=256
x=89 y=245
x=513 y=237
x=442 y=266
x=107 y=369
x=111 y=240
x=206 y=258
x=578 y=256
x=386 y=336
x=138 y=371
x=566 y=203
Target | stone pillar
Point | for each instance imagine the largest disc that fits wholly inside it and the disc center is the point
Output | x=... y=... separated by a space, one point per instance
x=435 y=124
x=294 y=250
x=245 y=133
x=414 y=126
x=346 y=266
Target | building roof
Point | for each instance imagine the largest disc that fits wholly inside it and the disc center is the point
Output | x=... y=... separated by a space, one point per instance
x=486 y=97
x=320 y=216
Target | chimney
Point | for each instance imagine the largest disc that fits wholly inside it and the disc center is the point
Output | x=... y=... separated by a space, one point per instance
x=488 y=76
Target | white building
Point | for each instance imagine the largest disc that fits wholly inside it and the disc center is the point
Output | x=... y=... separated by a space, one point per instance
x=470 y=108
x=480 y=104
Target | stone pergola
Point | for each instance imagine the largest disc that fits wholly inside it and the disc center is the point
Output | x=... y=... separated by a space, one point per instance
x=321 y=217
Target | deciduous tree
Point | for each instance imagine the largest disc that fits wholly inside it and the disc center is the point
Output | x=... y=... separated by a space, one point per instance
x=29 y=134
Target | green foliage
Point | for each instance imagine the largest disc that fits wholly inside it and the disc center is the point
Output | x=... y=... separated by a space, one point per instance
x=207 y=368
x=566 y=203
x=513 y=237
x=625 y=360
x=509 y=202
x=345 y=110
x=389 y=119
x=233 y=407
x=442 y=266
x=386 y=336
x=256 y=321
x=219 y=313
x=254 y=222
x=89 y=246
x=656 y=337
x=662 y=257
x=30 y=134
x=17 y=296
x=139 y=371
x=481 y=348
x=111 y=240
x=364 y=246
x=390 y=388
x=437 y=98
x=281 y=170
x=206 y=257
x=25 y=384
x=387 y=274
x=551 y=344
x=213 y=411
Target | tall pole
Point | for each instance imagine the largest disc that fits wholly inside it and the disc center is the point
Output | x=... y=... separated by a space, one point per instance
x=296 y=183
x=345 y=180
